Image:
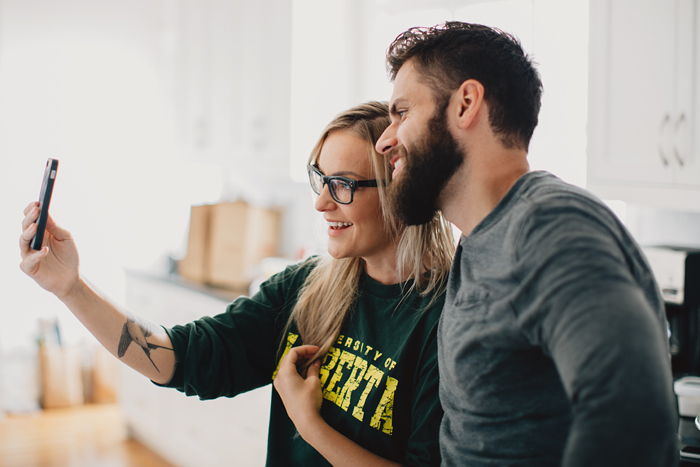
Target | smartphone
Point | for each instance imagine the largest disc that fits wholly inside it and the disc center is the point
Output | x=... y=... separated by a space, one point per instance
x=44 y=201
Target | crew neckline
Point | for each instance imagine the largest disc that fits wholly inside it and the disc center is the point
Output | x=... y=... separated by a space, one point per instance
x=384 y=290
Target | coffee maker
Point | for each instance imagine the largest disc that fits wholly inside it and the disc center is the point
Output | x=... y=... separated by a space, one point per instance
x=677 y=272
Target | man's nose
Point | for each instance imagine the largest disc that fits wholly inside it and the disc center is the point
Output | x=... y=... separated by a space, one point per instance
x=387 y=141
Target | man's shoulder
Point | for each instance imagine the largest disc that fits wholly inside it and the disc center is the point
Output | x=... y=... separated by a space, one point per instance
x=547 y=202
x=543 y=190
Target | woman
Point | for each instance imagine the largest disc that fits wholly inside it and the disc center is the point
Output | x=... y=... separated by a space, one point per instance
x=362 y=389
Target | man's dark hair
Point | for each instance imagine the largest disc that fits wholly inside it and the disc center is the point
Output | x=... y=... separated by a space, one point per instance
x=448 y=54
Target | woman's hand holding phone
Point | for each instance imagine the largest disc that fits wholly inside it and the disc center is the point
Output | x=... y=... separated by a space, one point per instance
x=55 y=266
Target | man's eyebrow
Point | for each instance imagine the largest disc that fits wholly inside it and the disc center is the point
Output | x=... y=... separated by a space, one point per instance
x=394 y=106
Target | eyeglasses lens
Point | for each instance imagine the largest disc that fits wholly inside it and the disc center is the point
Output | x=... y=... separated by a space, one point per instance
x=316 y=181
x=342 y=190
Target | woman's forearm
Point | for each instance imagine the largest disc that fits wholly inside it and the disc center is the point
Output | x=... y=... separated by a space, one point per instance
x=143 y=346
x=339 y=450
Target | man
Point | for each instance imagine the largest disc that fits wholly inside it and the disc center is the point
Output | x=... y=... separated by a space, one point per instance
x=552 y=345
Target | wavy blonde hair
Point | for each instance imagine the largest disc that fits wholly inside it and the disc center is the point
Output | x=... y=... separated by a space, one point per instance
x=424 y=252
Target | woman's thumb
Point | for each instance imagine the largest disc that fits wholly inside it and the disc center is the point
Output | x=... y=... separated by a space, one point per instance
x=313 y=369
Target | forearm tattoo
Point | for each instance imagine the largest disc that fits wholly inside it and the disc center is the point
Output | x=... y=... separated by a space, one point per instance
x=137 y=330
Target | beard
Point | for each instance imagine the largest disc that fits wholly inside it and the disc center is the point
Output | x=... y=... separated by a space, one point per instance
x=428 y=166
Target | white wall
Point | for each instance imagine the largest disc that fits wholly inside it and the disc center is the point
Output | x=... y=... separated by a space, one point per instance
x=121 y=92
x=78 y=82
x=150 y=106
x=352 y=36
x=153 y=105
x=653 y=227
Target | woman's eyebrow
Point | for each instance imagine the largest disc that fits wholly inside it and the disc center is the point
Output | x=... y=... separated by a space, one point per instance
x=342 y=173
x=345 y=173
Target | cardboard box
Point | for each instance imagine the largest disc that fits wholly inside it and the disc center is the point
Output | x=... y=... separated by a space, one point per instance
x=105 y=373
x=61 y=376
x=227 y=241
x=194 y=266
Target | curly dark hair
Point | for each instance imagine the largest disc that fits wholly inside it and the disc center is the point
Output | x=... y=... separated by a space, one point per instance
x=448 y=54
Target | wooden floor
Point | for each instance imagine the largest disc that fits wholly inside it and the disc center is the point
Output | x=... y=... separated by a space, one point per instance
x=88 y=436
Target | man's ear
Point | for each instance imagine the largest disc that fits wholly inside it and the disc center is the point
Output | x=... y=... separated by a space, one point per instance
x=469 y=102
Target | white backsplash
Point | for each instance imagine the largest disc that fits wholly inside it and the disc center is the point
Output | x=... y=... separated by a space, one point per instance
x=652 y=227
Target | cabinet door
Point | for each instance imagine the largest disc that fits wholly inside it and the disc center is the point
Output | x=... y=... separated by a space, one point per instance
x=686 y=136
x=631 y=90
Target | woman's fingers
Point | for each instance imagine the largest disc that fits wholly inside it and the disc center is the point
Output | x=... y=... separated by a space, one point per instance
x=292 y=357
x=27 y=235
x=30 y=263
x=312 y=371
x=296 y=357
x=30 y=217
x=303 y=351
x=29 y=228
x=54 y=229
x=30 y=206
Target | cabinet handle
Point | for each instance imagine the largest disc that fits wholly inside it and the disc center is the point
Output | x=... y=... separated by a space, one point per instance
x=676 y=152
x=659 y=141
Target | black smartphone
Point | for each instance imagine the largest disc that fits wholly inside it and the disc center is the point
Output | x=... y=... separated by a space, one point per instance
x=44 y=201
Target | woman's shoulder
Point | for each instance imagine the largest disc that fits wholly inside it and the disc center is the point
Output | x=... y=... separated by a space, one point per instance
x=293 y=273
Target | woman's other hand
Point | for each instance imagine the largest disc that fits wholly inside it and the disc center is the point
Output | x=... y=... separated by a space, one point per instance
x=55 y=266
x=301 y=394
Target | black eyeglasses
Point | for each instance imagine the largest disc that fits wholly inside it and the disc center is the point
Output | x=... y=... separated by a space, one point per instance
x=342 y=189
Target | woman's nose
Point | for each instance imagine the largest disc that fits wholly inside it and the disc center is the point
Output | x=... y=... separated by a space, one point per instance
x=325 y=201
x=387 y=141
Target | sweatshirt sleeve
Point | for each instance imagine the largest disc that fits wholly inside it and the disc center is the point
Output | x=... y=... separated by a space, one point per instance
x=234 y=352
x=590 y=315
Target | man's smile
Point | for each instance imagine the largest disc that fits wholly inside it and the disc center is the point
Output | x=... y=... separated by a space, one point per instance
x=397 y=163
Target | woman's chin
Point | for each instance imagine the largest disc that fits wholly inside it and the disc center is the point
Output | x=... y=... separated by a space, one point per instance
x=337 y=253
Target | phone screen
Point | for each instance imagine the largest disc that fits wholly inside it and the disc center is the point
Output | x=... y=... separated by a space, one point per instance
x=44 y=201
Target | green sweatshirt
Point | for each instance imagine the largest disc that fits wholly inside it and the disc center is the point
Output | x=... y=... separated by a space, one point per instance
x=379 y=380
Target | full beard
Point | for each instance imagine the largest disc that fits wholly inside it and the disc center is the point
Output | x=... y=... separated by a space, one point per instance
x=428 y=166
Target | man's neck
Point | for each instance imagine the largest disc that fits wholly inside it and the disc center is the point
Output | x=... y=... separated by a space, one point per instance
x=480 y=184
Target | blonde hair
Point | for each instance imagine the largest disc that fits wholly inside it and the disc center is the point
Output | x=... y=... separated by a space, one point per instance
x=424 y=252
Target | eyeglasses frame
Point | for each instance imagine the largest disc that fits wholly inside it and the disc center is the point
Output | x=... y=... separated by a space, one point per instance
x=354 y=184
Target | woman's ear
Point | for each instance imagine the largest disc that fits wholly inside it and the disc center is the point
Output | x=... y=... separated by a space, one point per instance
x=469 y=101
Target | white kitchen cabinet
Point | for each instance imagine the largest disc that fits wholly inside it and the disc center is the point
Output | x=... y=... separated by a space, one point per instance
x=227 y=67
x=186 y=431
x=643 y=125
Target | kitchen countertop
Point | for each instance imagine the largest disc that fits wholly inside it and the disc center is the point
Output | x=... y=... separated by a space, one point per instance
x=689 y=438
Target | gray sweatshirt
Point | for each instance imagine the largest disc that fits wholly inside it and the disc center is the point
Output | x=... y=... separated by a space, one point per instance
x=553 y=344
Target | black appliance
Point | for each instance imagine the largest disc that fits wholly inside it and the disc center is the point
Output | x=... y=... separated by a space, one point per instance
x=677 y=272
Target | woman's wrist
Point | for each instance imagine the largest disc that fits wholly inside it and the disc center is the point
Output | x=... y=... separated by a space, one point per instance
x=312 y=428
x=73 y=294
